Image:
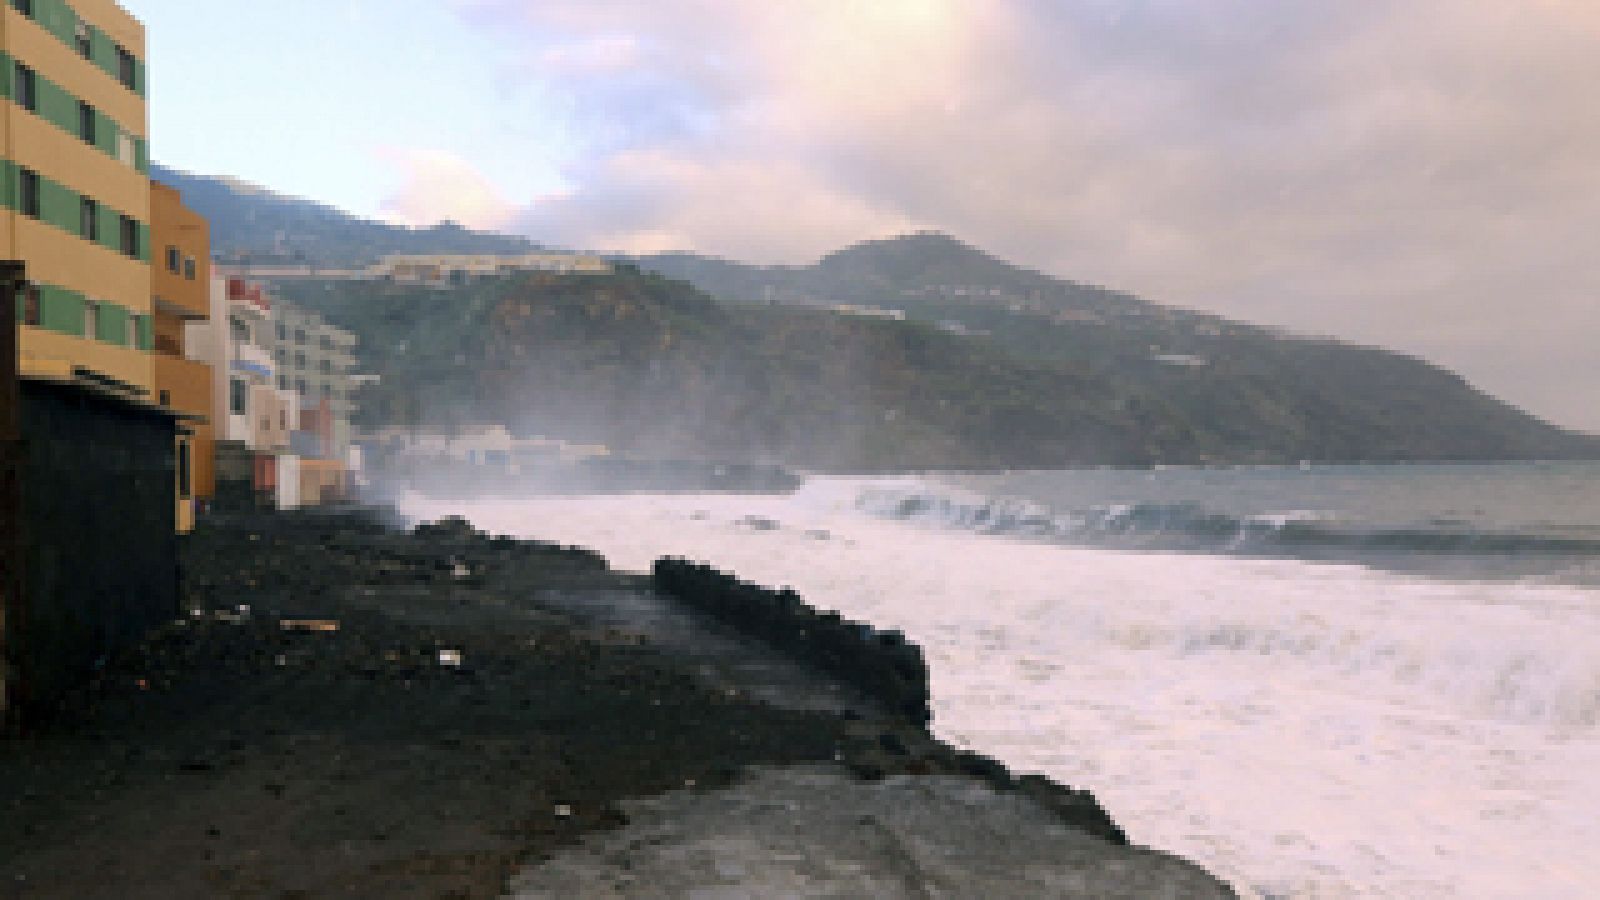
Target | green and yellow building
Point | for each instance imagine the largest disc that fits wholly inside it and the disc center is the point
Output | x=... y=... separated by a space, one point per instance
x=74 y=165
x=115 y=265
x=111 y=417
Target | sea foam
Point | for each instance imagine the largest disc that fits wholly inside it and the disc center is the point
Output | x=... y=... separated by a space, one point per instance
x=1301 y=729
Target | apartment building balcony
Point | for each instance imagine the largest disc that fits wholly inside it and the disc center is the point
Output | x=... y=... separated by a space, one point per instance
x=181 y=304
x=254 y=359
x=55 y=356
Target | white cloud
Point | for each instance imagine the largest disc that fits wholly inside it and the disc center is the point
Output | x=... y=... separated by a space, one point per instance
x=436 y=186
x=1416 y=175
x=647 y=201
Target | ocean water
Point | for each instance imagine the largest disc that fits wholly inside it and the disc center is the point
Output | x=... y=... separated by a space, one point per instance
x=1341 y=682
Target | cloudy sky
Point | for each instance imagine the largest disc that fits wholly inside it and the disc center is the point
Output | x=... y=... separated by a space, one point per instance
x=1419 y=174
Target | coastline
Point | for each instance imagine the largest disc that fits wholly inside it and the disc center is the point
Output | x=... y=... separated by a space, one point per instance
x=354 y=709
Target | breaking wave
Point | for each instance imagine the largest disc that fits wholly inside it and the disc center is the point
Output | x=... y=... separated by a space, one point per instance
x=1187 y=526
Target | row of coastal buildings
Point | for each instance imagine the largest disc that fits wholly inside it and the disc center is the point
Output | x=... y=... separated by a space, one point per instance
x=282 y=394
x=135 y=385
x=442 y=271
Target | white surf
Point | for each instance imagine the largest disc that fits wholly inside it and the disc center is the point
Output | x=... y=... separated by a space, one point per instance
x=1300 y=729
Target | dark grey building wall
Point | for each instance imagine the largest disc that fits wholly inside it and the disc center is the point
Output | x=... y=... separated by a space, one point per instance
x=99 y=537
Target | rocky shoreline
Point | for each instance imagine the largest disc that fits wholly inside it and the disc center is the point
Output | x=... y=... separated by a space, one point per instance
x=352 y=709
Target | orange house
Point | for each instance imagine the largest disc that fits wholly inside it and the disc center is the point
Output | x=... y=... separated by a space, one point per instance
x=180 y=289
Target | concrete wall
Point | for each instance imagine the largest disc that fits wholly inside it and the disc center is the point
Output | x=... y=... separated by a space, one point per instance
x=272 y=419
x=322 y=481
x=206 y=341
x=99 y=544
x=288 y=482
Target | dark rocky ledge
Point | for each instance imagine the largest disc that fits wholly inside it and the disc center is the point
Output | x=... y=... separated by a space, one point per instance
x=881 y=664
x=349 y=709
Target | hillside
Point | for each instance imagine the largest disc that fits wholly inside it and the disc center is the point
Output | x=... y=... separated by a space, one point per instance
x=254 y=225
x=1258 y=394
x=652 y=366
x=920 y=272
x=994 y=364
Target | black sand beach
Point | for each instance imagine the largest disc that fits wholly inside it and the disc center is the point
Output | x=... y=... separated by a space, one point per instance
x=351 y=710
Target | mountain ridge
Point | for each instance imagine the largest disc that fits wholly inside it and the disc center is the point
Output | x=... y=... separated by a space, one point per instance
x=992 y=364
x=255 y=225
x=650 y=366
x=1205 y=363
x=859 y=273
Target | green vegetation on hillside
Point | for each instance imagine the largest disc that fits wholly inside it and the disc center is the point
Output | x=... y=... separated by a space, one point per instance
x=1245 y=394
x=653 y=367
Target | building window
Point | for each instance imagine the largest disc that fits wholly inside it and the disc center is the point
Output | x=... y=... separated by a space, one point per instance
x=283 y=382
x=125 y=149
x=327 y=391
x=326 y=367
x=299 y=360
x=238 y=329
x=237 y=396
x=129 y=232
x=189 y=268
x=300 y=386
x=185 y=488
x=91 y=320
x=32 y=312
x=89 y=219
x=86 y=117
x=132 y=335
x=283 y=420
x=300 y=338
x=166 y=398
x=83 y=40
x=30 y=193
x=283 y=332
x=23 y=6
x=172 y=260
x=27 y=89
x=127 y=72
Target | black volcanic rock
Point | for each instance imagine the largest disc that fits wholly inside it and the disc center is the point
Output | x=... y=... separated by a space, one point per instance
x=341 y=715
